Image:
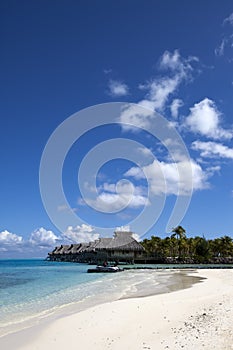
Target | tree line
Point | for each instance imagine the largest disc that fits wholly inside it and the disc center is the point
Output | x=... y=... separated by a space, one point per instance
x=197 y=249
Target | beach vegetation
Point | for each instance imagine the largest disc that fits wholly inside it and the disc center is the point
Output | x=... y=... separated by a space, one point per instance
x=178 y=247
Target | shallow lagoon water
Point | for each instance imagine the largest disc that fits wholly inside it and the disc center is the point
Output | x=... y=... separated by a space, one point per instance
x=34 y=289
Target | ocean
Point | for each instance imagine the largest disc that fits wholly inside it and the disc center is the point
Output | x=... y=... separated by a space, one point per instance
x=31 y=290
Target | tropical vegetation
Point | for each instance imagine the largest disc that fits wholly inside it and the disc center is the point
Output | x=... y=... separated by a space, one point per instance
x=179 y=247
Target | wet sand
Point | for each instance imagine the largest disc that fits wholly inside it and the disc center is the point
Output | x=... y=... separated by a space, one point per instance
x=197 y=317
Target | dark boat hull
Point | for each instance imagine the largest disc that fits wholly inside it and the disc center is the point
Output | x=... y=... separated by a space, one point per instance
x=104 y=270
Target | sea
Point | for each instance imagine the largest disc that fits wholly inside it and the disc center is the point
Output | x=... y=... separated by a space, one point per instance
x=34 y=289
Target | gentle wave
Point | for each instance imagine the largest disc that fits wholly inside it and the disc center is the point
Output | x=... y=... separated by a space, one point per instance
x=61 y=289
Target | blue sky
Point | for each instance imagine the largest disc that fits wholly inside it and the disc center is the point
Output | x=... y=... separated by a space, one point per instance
x=174 y=58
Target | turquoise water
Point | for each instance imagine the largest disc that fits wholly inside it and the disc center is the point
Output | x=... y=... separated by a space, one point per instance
x=35 y=287
x=31 y=290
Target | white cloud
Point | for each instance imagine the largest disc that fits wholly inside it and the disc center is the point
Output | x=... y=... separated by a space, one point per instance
x=10 y=242
x=146 y=152
x=227 y=39
x=204 y=118
x=159 y=90
x=81 y=233
x=210 y=171
x=112 y=198
x=176 y=63
x=136 y=237
x=213 y=149
x=219 y=51
x=117 y=88
x=171 y=61
x=111 y=202
x=173 y=178
x=43 y=238
x=40 y=241
x=175 y=105
x=2 y=249
x=229 y=20
x=125 y=228
x=122 y=187
x=135 y=172
x=8 y=238
x=65 y=207
x=137 y=117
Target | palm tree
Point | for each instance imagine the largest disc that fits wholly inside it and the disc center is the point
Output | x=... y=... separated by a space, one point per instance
x=222 y=246
x=152 y=245
x=179 y=234
x=226 y=246
x=203 y=252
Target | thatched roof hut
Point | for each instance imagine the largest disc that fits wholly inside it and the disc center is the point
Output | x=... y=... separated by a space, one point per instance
x=121 y=245
x=124 y=241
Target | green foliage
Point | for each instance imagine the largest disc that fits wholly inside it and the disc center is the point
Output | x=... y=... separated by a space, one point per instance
x=202 y=250
x=178 y=246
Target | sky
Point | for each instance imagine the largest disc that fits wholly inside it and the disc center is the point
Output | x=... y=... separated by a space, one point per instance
x=114 y=115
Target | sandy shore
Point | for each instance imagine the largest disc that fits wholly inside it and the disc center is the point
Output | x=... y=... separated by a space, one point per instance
x=200 y=317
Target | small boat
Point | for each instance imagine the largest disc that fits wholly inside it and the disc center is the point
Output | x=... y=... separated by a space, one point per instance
x=105 y=269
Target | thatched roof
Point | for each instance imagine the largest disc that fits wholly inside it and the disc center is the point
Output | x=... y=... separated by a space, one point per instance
x=75 y=248
x=91 y=246
x=124 y=241
x=103 y=243
x=120 y=241
x=56 y=250
x=83 y=247
x=64 y=249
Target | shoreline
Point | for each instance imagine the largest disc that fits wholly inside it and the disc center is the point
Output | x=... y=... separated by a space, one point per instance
x=131 y=284
x=161 y=321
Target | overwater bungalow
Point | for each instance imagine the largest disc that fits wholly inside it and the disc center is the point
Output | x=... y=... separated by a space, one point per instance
x=122 y=247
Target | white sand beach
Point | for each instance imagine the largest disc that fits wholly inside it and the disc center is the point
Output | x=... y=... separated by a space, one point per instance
x=200 y=317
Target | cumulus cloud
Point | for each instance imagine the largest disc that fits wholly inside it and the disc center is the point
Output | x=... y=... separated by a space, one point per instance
x=8 y=238
x=117 y=88
x=80 y=233
x=39 y=239
x=205 y=118
x=175 y=105
x=213 y=149
x=43 y=238
x=112 y=198
x=173 y=178
x=10 y=242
